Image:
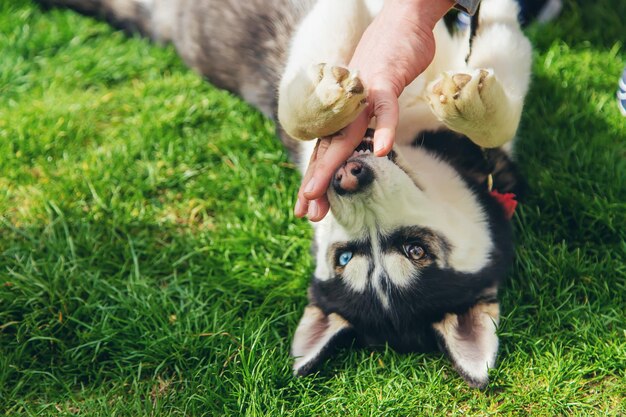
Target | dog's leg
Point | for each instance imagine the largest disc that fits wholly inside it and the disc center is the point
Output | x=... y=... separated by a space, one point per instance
x=318 y=96
x=485 y=102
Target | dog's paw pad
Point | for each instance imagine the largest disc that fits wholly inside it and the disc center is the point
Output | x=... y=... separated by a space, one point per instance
x=339 y=88
x=340 y=73
x=461 y=96
x=474 y=104
x=322 y=102
x=450 y=87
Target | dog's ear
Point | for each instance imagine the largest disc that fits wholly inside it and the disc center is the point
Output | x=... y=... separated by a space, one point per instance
x=316 y=337
x=470 y=340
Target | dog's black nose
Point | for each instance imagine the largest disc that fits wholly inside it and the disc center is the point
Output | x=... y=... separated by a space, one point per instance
x=352 y=177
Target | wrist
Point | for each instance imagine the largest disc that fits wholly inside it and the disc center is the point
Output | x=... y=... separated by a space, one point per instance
x=424 y=13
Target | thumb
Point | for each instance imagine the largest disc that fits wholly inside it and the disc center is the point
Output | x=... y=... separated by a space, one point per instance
x=386 y=112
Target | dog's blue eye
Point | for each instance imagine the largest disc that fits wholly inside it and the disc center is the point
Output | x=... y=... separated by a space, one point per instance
x=344 y=258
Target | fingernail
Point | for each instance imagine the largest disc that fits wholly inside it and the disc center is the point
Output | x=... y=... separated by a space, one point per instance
x=309 y=186
x=378 y=147
x=313 y=210
x=297 y=208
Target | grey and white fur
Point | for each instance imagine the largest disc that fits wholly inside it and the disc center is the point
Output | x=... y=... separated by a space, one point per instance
x=415 y=247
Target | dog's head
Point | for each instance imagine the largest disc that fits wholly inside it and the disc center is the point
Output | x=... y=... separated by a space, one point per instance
x=411 y=255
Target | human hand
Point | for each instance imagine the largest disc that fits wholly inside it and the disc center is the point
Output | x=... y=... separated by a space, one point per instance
x=330 y=152
x=396 y=47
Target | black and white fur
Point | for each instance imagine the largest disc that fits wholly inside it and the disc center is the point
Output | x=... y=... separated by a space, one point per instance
x=413 y=256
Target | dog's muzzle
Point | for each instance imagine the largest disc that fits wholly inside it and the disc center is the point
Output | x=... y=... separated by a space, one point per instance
x=355 y=174
x=352 y=177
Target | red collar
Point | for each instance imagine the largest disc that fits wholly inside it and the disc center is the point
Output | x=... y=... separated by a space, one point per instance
x=507 y=201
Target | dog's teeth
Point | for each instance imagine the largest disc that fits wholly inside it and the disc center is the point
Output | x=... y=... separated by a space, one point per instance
x=365 y=147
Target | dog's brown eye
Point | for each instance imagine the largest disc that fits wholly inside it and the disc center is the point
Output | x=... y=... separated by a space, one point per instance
x=414 y=252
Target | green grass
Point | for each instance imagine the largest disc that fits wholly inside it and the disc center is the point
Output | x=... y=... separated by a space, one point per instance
x=150 y=264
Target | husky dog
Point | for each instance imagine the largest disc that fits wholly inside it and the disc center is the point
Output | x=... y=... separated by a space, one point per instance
x=415 y=246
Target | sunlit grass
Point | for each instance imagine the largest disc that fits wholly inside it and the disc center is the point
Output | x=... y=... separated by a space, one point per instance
x=150 y=263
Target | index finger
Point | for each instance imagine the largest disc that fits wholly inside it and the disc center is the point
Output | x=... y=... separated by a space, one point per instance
x=339 y=150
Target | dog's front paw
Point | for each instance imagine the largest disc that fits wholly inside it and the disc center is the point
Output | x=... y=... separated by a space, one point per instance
x=339 y=90
x=320 y=101
x=475 y=105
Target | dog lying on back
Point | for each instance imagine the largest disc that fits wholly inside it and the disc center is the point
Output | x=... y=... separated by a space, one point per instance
x=415 y=246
